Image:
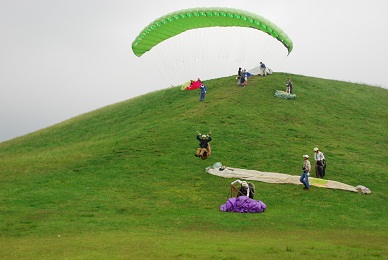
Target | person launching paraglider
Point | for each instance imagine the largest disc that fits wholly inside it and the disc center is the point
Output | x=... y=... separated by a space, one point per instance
x=246 y=189
x=243 y=201
x=204 y=146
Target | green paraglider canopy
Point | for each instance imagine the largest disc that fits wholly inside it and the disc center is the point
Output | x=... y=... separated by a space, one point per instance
x=177 y=22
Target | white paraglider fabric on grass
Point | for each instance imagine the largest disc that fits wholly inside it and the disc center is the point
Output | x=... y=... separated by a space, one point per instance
x=280 y=178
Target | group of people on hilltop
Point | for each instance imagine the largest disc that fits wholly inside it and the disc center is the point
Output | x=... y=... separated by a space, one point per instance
x=242 y=77
x=243 y=74
x=320 y=167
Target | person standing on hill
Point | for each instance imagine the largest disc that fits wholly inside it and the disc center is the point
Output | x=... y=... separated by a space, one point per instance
x=243 y=78
x=202 y=92
x=239 y=73
x=304 y=178
x=263 y=69
x=289 y=86
x=320 y=163
x=203 y=144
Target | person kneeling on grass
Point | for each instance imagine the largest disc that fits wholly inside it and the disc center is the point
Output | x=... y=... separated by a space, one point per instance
x=304 y=178
x=203 y=144
x=246 y=189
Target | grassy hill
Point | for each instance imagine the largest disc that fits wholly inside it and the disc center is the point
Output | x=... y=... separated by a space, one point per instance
x=123 y=182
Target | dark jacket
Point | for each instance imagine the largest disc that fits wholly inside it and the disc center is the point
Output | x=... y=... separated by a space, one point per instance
x=203 y=143
x=243 y=191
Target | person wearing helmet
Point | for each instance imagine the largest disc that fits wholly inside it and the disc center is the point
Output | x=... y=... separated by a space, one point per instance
x=304 y=178
x=320 y=163
x=203 y=144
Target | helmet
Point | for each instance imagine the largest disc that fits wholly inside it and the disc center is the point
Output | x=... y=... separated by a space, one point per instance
x=203 y=136
x=315 y=149
x=244 y=184
x=305 y=156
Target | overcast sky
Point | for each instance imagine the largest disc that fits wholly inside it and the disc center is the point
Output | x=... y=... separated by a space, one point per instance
x=63 y=58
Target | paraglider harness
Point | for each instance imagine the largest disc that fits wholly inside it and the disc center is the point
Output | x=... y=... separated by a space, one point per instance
x=242 y=191
x=204 y=144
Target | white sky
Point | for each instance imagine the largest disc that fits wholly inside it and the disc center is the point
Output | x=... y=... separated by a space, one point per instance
x=63 y=58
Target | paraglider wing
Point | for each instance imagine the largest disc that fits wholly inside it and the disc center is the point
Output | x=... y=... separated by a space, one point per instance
x=177 y=22
x=194 y=85
x=185 y=85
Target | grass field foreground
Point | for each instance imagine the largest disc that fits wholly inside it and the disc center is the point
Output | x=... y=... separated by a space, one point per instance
x=123 y=182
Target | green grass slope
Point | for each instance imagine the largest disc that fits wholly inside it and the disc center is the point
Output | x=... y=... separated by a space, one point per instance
x=123 y=182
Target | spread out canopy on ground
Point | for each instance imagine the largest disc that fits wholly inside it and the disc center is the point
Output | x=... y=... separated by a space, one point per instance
x=258 y=71
x=243 y=204
x=192 y=85
x=180 y=21
x=273 y=177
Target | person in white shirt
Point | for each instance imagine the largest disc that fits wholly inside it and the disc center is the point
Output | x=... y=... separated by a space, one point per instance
x=304 y=178
x=320 y=163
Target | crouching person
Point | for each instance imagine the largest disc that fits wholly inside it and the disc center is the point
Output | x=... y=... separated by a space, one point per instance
x=246 y=189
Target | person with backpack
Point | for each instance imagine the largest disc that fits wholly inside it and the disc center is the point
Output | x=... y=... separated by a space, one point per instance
x=246 y=189
x=320 y=163
x=238 y=74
